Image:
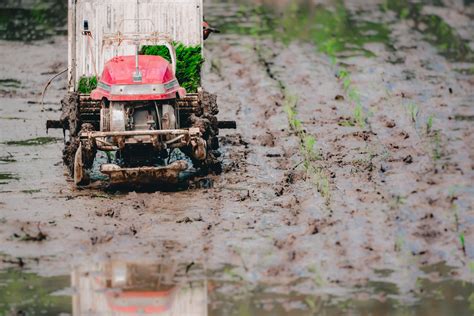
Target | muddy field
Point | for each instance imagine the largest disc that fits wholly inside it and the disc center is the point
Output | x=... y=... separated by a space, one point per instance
x=347 y=186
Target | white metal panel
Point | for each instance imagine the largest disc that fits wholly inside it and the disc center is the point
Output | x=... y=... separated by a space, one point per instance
x=180 y=19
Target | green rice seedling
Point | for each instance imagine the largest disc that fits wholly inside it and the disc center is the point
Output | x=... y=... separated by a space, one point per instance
x=413 y=111
x=216 y=66
x=429 y=124
x=359 y=115
x=317 y=277
x=454 y=208
x=354 y=95
x=399 y=243
x=404 y=13
x=346 y=123
x=343 y=73
x=87 y=84
x=323 y=184
x=309 y=142
x=31 y=191
x=471 y=268
x=463 y=242
x=188 y=64
x=311 y=303
x=346 y=83
x=471 y=302
x=436 y=146
x=307 y=149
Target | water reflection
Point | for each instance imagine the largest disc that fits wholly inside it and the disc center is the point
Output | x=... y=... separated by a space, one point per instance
x=115 y=288
x=136 y=288
x=331 y=27
x=26 y=293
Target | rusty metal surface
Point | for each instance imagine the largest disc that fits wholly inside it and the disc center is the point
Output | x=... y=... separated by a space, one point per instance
x=144 y=175
x=137 y=133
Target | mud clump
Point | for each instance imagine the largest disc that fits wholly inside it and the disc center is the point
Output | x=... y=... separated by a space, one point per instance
x=69 y=152
x=70 y=115
x=26 y=236
x=187 y=220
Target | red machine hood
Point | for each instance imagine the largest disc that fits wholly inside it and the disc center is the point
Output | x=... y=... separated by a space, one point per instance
x=158 y=80
x=120 y=70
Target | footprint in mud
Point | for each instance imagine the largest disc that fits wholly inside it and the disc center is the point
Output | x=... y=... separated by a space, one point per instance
x=267 y=139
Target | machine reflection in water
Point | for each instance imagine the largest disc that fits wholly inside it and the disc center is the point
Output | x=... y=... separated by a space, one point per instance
x=131 y=288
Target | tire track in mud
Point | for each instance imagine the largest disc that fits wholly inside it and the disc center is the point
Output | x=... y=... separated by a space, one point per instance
x=351 y=229
x=386 y=213
x=419 y=180
x=265 y=164
x=319 y=228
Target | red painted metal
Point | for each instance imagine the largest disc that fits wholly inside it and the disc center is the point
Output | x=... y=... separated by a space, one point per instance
x=119 y=71
x=117 y=301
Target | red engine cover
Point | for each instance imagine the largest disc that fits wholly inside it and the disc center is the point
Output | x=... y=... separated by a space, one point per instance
x=117 y=84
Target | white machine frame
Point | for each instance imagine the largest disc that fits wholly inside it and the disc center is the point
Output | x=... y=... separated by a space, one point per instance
x=178 y=20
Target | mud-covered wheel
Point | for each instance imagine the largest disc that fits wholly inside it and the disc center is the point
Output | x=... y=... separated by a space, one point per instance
x=69 y=153
x=79 y=172
x=79 y=155
x=211 y=164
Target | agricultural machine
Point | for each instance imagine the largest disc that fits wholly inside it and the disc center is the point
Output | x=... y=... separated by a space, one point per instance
x=134 y=106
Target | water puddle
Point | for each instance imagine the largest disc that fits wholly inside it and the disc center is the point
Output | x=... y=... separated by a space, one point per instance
x=469 y=118
x=6 y=177
x=170 y=288
x=434 y=29
x=31 y=21
x=139 y=288
x=10 y=83
x=334 y=30
x=25 y=293
x=7 y=159
x=38 y=141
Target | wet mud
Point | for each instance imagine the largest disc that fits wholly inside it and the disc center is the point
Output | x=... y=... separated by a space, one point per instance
x=348 y=185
